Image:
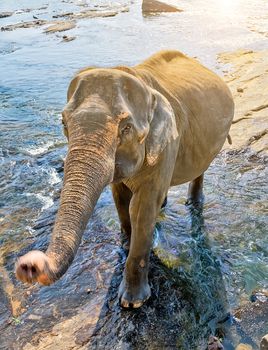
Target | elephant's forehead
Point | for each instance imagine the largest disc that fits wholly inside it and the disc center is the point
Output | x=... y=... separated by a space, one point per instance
x=112 y=78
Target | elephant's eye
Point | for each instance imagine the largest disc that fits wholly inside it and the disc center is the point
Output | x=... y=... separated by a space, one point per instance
x=126 y=129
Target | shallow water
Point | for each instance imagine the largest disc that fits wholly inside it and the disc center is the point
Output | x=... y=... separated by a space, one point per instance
x=35 y=70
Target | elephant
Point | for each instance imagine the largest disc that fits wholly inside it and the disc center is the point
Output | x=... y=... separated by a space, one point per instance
x=140 y=129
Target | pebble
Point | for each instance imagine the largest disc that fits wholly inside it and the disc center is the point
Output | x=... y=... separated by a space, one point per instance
x=68 y=38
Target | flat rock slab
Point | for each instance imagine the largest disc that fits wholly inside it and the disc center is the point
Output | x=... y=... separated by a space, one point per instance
x=69 y=23
x=30 y=24
x=153 y=6
x=60 y=26
x=248 y=81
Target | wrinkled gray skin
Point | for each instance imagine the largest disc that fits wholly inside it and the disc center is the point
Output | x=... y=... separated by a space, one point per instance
x=142 y=130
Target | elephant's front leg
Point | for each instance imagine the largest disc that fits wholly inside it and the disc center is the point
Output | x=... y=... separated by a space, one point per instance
x=144 y=207
x=122 y=196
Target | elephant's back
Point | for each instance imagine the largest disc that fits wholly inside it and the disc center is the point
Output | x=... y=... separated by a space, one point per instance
x=203 y=106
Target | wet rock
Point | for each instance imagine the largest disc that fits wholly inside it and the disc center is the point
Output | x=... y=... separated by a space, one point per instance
x=5 y=14
x=250 y=76
x=81 y=310
x=30 y=24
x=65 y=14
x=60 y=26
x=264 y=343
x=153 y=6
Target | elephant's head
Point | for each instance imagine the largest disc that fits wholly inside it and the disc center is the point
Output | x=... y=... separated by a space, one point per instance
x=115 y=124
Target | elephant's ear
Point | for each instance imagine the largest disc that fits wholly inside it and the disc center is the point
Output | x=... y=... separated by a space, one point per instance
x=163 y=127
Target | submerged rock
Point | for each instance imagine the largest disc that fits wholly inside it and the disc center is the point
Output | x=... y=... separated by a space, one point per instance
x=5 y=14
x=153 y=6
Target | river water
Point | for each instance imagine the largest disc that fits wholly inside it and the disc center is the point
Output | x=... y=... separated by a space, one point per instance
x=35 y=70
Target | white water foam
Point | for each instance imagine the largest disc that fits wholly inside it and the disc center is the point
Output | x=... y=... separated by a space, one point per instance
x=47 y=201
x=39 y=150
x=54 y=177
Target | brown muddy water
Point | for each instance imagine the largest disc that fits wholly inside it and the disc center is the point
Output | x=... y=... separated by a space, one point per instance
x=214 y=260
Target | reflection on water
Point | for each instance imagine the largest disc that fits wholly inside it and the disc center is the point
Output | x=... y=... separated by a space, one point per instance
x=35 y=70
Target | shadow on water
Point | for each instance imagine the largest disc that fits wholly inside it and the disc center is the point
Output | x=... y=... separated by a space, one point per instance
x=188 y=302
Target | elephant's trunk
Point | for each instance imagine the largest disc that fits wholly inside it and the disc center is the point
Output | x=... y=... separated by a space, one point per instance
x=88 y=169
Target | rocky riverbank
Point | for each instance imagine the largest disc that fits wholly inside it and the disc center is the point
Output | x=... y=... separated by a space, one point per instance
x=248 y=81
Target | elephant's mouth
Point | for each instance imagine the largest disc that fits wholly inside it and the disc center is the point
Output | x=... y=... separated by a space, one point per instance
x=118 y=174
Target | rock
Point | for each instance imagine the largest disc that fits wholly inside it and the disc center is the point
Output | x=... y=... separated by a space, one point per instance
x=66 y=38
x=5 y=14
x=153 y=6
x=242 y=346
x=264 y=343
x=60 y=26
x=260 y=295
x=95 y=14
x=65 y=14
x=36 y=23
x=34 y=317
x=250 y=125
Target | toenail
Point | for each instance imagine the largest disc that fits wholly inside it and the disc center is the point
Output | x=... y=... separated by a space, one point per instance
x=142 y=263
x=137 y=304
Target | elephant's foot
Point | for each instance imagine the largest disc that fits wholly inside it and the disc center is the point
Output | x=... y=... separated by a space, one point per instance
x=133 y=297
x=134 y=289
x=195 y=195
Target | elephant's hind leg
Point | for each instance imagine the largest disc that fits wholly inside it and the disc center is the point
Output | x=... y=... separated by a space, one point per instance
x=122 y=196
x=195 y=191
